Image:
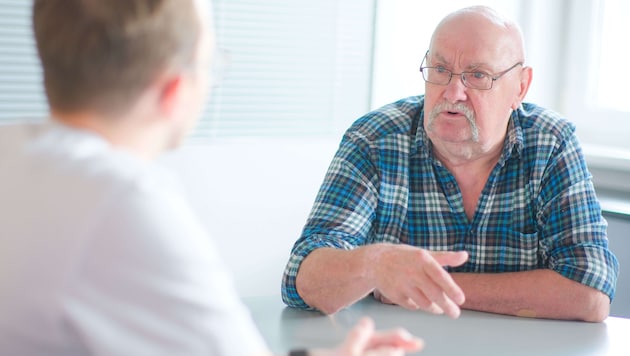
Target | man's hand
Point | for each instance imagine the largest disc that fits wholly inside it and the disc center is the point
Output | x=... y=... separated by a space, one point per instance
x=364 y=340
x=414 y=278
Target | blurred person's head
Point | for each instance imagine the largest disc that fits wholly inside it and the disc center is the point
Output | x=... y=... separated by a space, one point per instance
x=116 y=59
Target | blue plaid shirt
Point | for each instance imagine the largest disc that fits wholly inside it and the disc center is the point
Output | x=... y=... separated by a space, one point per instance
x=537 y=210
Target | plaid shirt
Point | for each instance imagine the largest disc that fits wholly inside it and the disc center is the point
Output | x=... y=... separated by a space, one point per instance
x=537 y=210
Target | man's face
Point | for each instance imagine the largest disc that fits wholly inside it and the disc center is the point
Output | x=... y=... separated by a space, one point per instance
x=473 y=119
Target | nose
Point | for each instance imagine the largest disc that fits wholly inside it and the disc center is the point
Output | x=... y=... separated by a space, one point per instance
x=455 y=90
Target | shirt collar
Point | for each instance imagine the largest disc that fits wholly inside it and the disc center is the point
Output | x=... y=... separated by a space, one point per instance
x=513 y=140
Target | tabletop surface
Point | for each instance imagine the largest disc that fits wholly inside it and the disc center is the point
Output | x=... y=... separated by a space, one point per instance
x=473 y=333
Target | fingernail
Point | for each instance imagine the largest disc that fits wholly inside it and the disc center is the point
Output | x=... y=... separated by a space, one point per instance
x=435 y=309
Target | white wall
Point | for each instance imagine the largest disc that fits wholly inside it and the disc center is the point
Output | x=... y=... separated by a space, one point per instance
x=254 y=195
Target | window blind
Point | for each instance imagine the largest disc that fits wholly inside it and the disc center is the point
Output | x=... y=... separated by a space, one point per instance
x=296 y=67
x=21 y=92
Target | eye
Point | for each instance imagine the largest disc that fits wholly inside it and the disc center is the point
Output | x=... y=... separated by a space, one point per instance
x=441 y=70
x=478 y=75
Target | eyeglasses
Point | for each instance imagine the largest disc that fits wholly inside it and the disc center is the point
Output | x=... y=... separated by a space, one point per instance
x=474 y=80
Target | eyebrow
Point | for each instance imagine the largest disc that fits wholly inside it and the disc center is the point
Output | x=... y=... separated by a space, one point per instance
x=471 y=66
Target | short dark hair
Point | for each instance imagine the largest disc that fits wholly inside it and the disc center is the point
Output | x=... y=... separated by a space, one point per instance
x=101 y=55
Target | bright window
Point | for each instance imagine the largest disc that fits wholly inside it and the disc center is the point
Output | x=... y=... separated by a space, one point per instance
x=596 y=86
x=613 y=73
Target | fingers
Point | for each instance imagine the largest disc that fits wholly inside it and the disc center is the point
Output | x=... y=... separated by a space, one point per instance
x=443 y=289
x=381 y=298
x=426 y=285
x=363 y=339
x=418 y=300
x=397 y=338
x=432 y=298
x=409 y=303
x=433 y=288
x=359 y=337
x=450 y=258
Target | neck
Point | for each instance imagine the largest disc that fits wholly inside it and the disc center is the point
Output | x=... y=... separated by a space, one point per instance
x=471 y=171
x=473 y=157
x=126 y=133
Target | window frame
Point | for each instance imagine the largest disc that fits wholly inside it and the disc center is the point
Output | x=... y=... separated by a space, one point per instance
x=607 y=151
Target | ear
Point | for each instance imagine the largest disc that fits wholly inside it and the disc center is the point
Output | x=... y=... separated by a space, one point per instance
x=170 y=95
x=525 y=82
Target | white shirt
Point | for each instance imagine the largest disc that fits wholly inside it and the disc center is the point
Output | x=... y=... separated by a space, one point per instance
x=100 y=254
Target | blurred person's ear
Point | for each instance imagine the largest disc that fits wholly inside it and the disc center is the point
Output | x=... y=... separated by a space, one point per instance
x=171 y=95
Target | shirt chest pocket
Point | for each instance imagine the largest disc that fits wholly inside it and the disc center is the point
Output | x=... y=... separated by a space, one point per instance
x=504 y=251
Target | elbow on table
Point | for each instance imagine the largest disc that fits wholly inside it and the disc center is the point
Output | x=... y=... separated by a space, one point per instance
x=329 y=309
x=597 y=308
x=326 y=306
x=315 y=300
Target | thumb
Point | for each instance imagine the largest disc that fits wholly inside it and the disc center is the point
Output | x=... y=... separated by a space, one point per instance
x=450 y=258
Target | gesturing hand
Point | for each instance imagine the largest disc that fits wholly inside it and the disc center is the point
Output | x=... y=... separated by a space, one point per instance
x=364 y=340
x=414 y=278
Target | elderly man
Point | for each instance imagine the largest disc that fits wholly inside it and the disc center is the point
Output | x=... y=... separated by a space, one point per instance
x=100 y=254
x=464 y=197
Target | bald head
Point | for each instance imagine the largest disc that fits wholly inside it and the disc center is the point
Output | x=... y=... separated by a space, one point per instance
x=480 y=28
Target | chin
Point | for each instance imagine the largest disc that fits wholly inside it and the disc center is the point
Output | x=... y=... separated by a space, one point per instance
x=451 y=136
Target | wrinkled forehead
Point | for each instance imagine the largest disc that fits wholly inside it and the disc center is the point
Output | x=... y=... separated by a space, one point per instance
x=479 y=37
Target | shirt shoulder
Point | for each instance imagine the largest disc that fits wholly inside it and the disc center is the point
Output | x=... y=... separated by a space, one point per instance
x=539 y=121
x=546 y=139
x=391 y=119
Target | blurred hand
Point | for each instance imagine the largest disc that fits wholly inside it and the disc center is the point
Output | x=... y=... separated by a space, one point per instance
x=414 y=278
x=364 y=340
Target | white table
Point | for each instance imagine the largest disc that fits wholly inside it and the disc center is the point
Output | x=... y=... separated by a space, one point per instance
x=474 y=333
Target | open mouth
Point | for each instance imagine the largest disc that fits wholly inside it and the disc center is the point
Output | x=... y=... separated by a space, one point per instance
x=454 y=111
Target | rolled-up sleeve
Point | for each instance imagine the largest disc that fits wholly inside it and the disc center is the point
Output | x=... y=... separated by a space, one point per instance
x=343 y=213
x=575 y=242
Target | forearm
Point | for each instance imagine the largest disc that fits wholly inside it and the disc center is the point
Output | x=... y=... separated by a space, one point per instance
x=538 y=293
x=331 y=279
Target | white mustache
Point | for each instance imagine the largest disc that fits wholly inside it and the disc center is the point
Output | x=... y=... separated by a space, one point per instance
x=458 y=107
